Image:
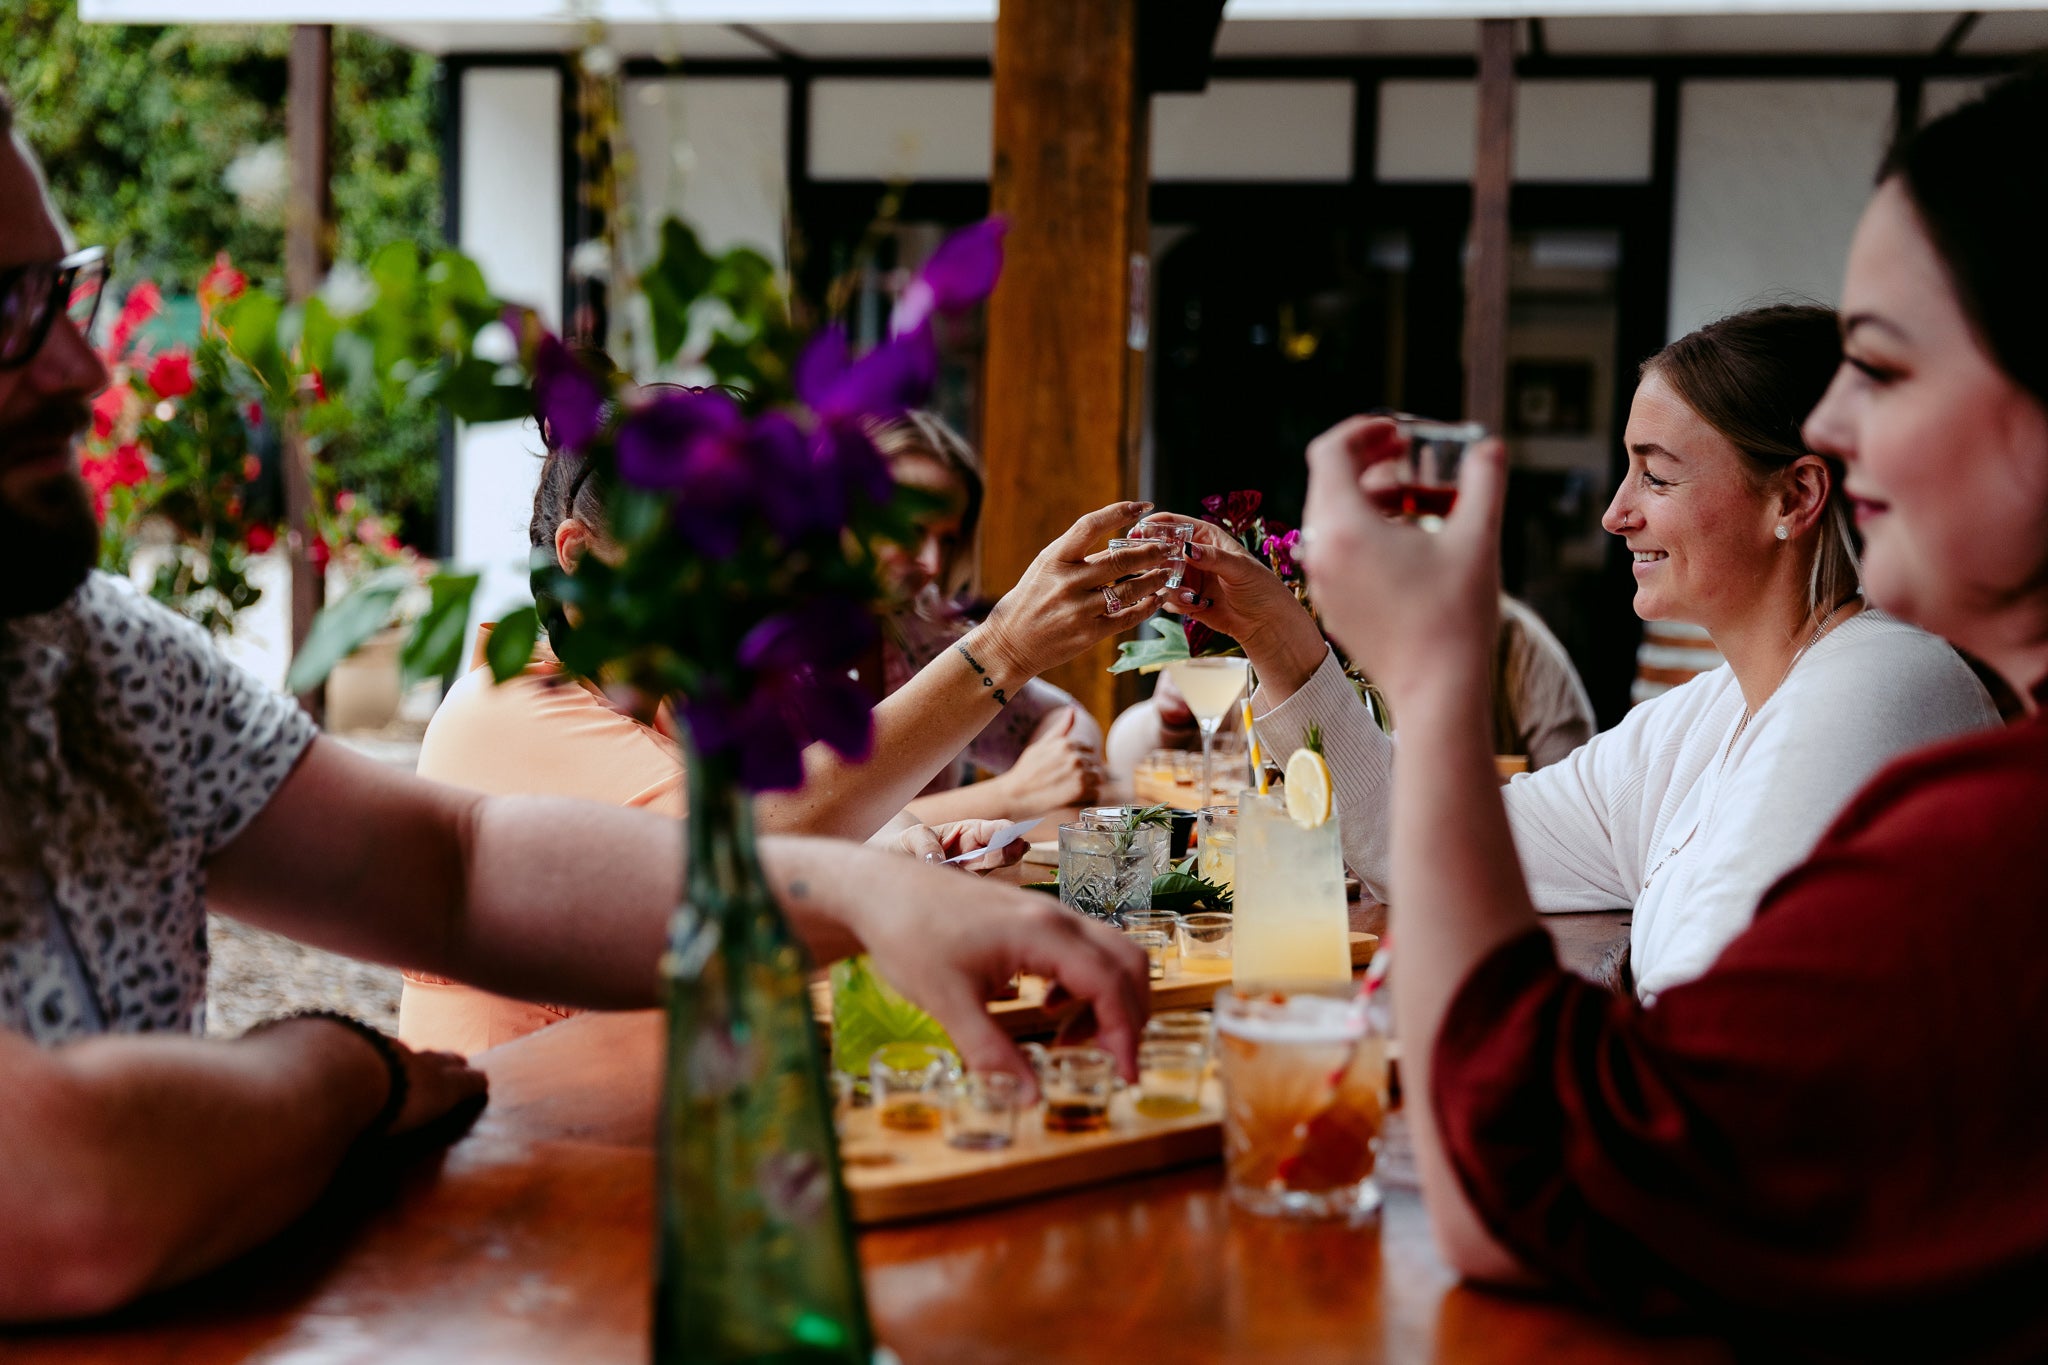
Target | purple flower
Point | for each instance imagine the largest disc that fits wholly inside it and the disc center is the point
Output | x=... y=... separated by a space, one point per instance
x=960 y=274
x=722 y=470
x=892 y=377
x=798 y=692
x=568 y=399
x=1283 y=552
x=847 y=468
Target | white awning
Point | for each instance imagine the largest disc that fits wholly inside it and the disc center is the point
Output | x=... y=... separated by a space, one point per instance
x=908 y=29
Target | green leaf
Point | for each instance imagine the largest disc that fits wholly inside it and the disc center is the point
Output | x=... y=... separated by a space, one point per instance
x=1154 y=652
x=510 y=647
x=434 y=649
x=1181 y=893
x=868 y=1013
x=343 y=628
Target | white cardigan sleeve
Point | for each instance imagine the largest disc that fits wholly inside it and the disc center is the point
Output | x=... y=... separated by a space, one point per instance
x=1563 y=828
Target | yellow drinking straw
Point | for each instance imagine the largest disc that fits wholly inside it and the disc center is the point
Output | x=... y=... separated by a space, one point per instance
x=1251 y=740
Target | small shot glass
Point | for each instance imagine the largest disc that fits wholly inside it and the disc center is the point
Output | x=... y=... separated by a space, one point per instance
x=1170 y=1078
x=1205 y=942
x=1159 y=951
x=983 y=1114
x=910 y=1083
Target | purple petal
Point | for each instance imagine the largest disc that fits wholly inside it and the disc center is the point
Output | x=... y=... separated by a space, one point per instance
x=844 y=459
x=823 y=633
x=837 y=711
x=960 y=274
x=819 y=368
x=661 y=446
x=890 y=378
x=771 y=753
x=568 y=398
x=790 y=493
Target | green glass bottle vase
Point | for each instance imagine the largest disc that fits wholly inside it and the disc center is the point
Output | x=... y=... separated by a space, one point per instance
x=755 y=1261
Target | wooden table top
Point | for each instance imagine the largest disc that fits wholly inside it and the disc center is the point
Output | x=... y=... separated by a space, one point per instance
x=528 y=1241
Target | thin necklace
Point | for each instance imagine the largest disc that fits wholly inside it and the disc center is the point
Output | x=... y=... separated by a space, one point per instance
x=1740 y=726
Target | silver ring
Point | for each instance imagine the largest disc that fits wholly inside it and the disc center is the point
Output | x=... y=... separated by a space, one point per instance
x=1111 y=600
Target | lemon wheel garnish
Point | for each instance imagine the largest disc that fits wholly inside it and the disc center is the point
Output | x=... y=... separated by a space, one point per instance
x=1308 y=789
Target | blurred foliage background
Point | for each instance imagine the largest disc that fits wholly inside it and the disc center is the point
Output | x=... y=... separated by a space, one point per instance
x=166 y=144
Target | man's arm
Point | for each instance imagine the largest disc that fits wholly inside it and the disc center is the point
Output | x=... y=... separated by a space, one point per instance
x=136 y=1162
x=569 y=901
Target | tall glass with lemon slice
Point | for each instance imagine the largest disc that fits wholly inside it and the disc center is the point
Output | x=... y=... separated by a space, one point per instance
x=1289 y=901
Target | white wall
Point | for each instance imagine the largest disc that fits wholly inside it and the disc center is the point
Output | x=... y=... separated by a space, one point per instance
x=1592 y=131
x=713 y=151
x=510 y=198
x=1772 y=176
x=1255 y=130
x=902 y=129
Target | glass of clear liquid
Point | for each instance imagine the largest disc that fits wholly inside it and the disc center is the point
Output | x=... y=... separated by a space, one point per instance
x=1288 y=899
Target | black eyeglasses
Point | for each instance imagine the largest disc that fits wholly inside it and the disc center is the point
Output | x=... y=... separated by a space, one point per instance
x=30 y=296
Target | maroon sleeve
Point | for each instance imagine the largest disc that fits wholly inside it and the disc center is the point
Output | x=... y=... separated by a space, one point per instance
x=1837 y=1130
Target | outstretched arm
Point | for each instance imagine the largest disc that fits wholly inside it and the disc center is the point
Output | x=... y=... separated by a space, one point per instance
x=136 y=1162
x=569 y=901
x=1054 y=613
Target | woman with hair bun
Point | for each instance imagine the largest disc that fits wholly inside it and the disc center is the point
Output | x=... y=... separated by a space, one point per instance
x=1703 y=796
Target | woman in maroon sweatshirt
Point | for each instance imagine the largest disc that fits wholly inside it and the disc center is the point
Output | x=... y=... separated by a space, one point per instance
x=1836 y=1141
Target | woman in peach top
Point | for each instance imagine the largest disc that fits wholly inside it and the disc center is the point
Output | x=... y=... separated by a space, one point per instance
x=544 y=732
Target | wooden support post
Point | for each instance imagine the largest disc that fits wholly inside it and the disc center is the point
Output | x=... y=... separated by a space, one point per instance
x=1486 y=269
x=1061 y=417
x=307 y=249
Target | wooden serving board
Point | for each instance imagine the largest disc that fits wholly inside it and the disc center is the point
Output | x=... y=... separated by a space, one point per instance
x=1027 y=1016
x=897 y=1176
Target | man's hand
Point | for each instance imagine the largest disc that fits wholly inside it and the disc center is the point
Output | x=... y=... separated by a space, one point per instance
x=951 y=945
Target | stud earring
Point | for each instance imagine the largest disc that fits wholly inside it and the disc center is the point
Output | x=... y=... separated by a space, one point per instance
x=1784 y=534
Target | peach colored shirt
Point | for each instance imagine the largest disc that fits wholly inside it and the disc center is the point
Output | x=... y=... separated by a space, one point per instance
x=541 y=734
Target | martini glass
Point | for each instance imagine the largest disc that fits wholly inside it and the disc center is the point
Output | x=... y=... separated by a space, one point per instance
x=1211 y=687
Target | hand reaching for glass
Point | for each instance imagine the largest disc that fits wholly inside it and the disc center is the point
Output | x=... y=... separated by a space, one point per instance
x=1415 y=607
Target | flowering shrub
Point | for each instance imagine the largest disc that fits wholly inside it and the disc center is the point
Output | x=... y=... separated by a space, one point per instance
x=171 y=462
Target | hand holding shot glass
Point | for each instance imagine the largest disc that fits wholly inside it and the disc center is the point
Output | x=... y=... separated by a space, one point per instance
x=1420 y=484
x=1179 y=533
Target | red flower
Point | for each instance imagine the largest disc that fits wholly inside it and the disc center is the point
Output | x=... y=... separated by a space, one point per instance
x=254 y=414
x=259 y=539
x=320 y=553
x=107 y=409
x=144 y=302
x=315 y=385
x=222 y=284
x=171 y=375
x=1233 y=511
x=344 y=501
x=252 y=469
x=123 y=468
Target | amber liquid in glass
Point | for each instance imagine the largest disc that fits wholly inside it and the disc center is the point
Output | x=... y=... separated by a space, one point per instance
x=1076 y=1116
x=909 y=1116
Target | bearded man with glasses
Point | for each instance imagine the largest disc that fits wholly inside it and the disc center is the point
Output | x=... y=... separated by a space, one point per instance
x=144 y=780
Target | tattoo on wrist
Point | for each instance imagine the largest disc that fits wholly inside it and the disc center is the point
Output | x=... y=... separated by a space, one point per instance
x=996 y=694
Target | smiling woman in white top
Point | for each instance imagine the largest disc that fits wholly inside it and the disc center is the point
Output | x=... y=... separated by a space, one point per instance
x=1701 y=798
